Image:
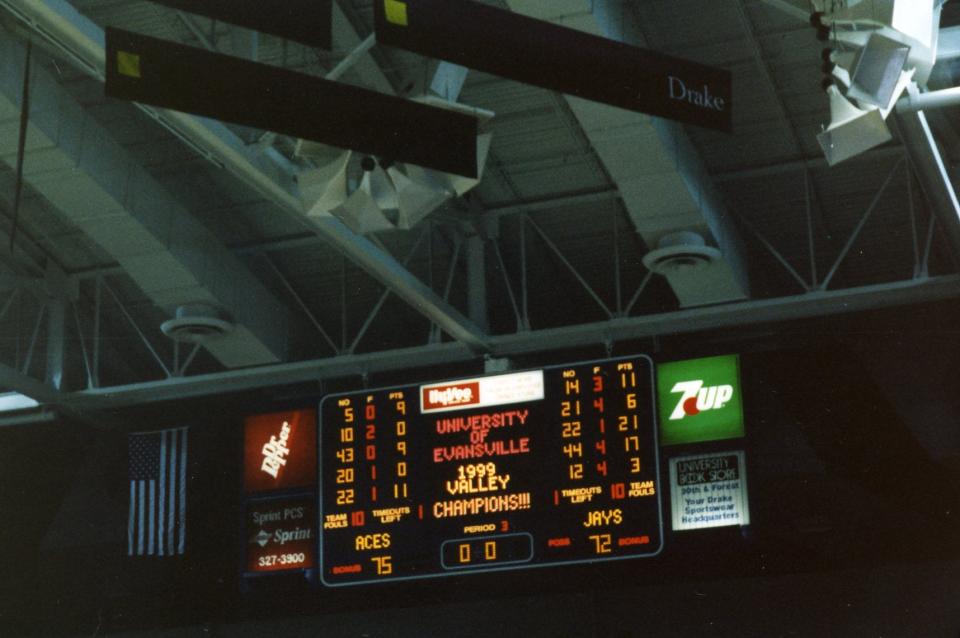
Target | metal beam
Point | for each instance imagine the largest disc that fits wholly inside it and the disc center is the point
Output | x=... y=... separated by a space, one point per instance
x=17 y=381
x=932 y=174
x=795 y=165
x=804 y=306
x=948 y=44
x=789 y=9
x=930 y=100
x=402 y=283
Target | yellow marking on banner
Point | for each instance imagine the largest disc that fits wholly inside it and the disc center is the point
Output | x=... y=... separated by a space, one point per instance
x=396 y=12
x=128 y=64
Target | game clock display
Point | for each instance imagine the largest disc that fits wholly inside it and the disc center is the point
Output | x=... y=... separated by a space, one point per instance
x=525 y=469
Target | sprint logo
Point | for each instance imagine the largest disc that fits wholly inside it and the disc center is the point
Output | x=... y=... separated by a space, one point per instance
x=694 y=398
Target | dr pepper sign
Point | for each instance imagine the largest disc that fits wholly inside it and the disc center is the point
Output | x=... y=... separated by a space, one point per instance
x=280 y=451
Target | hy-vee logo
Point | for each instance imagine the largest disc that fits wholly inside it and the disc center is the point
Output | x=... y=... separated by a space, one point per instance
x=695 y=398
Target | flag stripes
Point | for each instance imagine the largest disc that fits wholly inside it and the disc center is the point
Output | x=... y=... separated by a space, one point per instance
x=156 y=524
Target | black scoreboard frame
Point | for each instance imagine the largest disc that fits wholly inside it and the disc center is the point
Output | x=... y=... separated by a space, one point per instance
x=504 y=566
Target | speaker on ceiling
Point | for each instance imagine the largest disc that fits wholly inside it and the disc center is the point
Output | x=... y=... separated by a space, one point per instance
x=852 y=130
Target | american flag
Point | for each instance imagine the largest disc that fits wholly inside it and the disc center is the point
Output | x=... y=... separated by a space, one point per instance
x=157 y=523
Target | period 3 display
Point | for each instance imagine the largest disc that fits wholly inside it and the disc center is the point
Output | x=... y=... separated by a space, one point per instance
x=525 y=469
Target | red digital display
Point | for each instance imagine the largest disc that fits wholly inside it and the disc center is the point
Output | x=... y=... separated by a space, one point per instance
x=281 y=534
x=525 y=469
x=280 y=451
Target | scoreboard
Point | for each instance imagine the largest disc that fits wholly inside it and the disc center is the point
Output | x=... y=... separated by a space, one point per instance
x=526 y=469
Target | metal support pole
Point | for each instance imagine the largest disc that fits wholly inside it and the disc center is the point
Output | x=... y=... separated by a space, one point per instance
x=932 y=175
x=97 y=305
x=616 y=261
x=56 y=340
x=925 y=267
x=186 y=362
x=447 y=287
x=774 y=252
x=83 y=347
x=523 y=272
x=477 y=282
x=9 y=303
x=195 y=30
x=636 y=295
x=33 y=341
x=931 y=100
x=506 y=281
x=139 y=332
x=860 y=225
x=913 y=223
x=583 y=282
x=347 y=63
x=383 y=297
x=300 y=303
x=343 y=303
x=810 y=239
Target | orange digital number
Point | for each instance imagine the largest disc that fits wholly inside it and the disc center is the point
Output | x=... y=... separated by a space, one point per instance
x=573 y=449
x=598 y=383
x=569 y=408
x=384 y=564
x=601 y=543
x=570 y=429
x=634 y=464
x=345 y=497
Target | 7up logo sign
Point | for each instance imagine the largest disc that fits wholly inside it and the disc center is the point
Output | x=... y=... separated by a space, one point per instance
x=699 y=400
x=695 y=398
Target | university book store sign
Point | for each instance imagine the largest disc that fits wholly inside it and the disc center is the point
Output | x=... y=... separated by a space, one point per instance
x=709 y=490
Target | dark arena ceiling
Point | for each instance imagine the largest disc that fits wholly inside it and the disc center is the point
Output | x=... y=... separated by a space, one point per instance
x=158 y=265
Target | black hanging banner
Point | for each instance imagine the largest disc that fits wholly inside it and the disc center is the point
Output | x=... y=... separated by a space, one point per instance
x=308 y=22
x=182 y=78
x=558 y=58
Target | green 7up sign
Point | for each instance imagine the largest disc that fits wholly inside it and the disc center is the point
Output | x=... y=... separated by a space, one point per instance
x=699 y=400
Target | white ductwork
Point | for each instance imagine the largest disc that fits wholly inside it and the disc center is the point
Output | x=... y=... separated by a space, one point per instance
x=75 y=164
x=662 y=180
